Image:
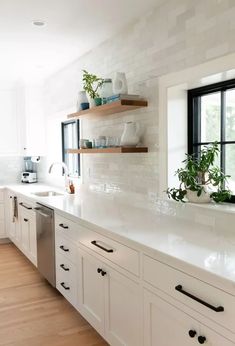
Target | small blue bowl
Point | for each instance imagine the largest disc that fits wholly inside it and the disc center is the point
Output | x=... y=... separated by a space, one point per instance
x=84 y=105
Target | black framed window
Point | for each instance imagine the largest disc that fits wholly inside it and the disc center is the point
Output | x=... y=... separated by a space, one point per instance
x=70 y=140
x=211 y=117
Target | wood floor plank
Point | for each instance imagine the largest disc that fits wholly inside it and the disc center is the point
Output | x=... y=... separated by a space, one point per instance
x=32 y=313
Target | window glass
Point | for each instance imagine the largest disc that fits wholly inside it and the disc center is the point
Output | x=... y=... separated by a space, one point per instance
x=230 y=115
x=230 y=165
x=210 y=117
x=70 y=140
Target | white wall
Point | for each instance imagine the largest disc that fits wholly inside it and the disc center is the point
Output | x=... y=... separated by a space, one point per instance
x=177 y=130
x=176 y=35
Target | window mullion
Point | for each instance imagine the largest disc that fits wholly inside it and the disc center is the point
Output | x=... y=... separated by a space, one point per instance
x=222 y=130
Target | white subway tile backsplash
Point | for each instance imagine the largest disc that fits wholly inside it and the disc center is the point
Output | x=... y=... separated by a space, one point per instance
x=10 y=169
x=174 y=36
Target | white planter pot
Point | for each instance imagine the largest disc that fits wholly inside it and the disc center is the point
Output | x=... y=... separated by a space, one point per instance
x=203 y=198
x=91 y=102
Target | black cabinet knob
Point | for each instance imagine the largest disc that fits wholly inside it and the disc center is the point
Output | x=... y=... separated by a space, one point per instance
x=192 y=333
x=103 y=273
x=201 y=339
x=99 y=270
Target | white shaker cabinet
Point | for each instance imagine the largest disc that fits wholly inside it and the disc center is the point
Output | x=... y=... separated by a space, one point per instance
x=11 y=121
x=110 y=301
x=27 y=226
x=166 y=325
x=33 y=143
x=91 y=290
x=2 y=215
x=12 y=224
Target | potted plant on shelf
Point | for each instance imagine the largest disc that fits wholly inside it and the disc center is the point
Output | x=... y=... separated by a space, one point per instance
x=200 y=180
x=91 y=84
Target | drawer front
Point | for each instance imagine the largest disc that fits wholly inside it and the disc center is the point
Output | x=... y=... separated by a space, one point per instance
x=65 y=247
x=197 y=294
x=65 y=268
x=117 y=253
x=67 y=287
x=67 y=227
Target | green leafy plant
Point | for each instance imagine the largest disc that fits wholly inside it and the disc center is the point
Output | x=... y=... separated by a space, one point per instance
x=199 y=172
x=91 y=84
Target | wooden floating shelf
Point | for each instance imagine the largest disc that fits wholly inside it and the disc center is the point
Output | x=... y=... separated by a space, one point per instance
x=110 y=108
x=114 y=150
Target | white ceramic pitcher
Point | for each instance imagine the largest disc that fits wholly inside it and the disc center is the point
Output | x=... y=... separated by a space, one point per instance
x=130 y=136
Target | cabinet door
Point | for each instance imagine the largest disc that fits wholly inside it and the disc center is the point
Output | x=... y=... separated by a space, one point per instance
x=2 y=221
x=123 y=321
x=91 y=291
x=28 y=243
x=165 y=325
x=11 y=222
x=25 y=231
x=10 y=120
x=32 y=237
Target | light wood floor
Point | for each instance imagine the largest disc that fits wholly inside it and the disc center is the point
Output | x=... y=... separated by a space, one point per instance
x=32 y=313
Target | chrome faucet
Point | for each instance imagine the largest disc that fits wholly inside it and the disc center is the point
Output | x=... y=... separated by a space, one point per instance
x=66 y=172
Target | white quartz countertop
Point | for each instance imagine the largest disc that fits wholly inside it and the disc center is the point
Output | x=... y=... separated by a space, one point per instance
x=176 y=240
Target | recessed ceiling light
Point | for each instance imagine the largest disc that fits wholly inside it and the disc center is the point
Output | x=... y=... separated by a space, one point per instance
x=38 y=23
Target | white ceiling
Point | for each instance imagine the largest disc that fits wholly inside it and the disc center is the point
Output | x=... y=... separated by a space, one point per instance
x=73 y=27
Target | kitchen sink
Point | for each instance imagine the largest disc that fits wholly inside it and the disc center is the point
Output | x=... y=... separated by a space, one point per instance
x=47 y=194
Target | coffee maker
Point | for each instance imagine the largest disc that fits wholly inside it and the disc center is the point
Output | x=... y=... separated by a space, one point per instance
x=29 y=175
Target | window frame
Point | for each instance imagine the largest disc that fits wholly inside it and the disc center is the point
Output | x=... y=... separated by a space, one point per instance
x=63 y=124
x=194 y=124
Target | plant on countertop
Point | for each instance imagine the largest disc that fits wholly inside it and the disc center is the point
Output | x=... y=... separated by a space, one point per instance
x=198 y=174
x=91 y=84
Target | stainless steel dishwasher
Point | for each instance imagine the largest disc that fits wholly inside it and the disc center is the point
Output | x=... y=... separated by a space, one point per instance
x=46 y=242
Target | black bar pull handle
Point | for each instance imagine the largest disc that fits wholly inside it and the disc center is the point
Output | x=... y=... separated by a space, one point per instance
x=25 y=206
x=26 y=220
x=94 y=242
x=180 y=289
x=63 y=248
x=65 y=287
x=64 y=268
x=63 y=226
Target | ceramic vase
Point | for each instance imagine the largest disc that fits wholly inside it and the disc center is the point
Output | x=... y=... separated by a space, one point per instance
x=120 y=83
x=82 y=102
x=130 y=136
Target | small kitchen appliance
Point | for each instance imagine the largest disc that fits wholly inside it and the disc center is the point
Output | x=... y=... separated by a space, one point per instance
x=29 y=177
x=30 y=174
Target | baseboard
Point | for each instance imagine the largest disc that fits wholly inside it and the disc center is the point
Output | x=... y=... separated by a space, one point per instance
x=5 y=241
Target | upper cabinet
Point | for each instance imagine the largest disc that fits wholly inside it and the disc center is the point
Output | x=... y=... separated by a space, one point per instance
x=10 y=123
x=34 y=130
x=22 y=130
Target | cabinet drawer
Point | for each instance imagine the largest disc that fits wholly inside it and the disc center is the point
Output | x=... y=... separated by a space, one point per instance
x=117 y=253
x=65 y=268
x=67 y=287
x=191 y=292
x=67 y=227
x=65 y=247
